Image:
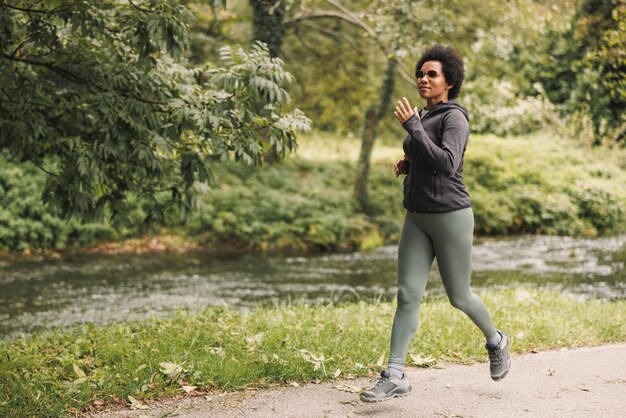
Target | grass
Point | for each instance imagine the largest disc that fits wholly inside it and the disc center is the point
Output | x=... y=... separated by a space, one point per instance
x=84 y=367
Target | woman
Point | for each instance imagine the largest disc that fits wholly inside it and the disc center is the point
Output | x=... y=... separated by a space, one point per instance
x=439 y=222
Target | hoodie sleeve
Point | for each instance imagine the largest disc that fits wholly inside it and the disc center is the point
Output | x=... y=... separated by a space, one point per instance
x=446 y=158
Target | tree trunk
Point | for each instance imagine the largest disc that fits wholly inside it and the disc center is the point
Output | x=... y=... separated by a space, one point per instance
x=267 y=26
x=372 y=118
x=267 y=23
x=363 y=166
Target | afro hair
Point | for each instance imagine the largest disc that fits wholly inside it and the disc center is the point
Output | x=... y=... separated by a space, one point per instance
x=451 y=64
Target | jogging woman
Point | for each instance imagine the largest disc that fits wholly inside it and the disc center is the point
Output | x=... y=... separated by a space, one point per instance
x=439 y=221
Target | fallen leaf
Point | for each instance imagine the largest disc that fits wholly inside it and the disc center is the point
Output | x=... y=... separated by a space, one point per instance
x=188 y=389
x=381 y=360
x=337 y=373
x=350 y=388
x=295 y=384
x=255 y=340
x=98 y=402
x=171 y=370
x=135 y=404
x=79 y=372
x=418 y=361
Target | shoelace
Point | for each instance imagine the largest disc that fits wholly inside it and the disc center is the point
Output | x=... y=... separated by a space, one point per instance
x=380 y=382
x=495 y=356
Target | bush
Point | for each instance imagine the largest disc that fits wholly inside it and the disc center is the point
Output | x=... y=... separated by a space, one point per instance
x=504 y=112
x=26 y=223
x=539 y=184
x=543 y=185
x=295 y=205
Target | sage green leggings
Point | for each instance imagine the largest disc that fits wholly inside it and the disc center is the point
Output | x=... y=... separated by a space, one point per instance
x=448 y=237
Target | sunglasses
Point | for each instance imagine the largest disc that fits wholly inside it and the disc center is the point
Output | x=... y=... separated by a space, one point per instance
x=431 y=74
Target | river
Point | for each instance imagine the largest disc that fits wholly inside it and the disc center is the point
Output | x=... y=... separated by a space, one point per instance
x=37 y=295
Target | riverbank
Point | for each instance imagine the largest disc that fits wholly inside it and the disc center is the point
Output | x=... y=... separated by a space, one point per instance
x=537 y=184
x=575 y=383
x=87 y=368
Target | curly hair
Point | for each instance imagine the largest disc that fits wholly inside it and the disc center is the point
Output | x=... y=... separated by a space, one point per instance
x=451 y=64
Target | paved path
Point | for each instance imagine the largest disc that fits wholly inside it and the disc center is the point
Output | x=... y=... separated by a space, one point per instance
x=585 y=382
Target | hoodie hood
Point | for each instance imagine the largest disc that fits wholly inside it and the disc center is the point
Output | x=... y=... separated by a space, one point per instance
x=444 y=107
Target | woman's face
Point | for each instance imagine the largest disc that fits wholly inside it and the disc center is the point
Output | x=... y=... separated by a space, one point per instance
x=433 y=89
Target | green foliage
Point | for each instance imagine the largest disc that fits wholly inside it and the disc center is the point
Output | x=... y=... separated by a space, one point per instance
x=97 y=95
x=64 y=372
x=584 y=73
x=494 y=42
x=335 y=99
x=538 y=184
x=543 y=185
x=297 y=205
x=25 y=223
x=499 y=108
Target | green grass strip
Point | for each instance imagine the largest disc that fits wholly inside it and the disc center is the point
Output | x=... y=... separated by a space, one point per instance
x=62 y=372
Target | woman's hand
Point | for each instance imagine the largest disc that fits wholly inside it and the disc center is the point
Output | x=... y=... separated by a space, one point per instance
x=400 y=166
x=403 y=111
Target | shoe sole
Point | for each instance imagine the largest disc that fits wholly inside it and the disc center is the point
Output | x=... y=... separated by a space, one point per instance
x=395 y=395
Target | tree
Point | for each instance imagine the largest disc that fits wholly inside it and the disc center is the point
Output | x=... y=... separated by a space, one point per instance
x=399 y=30
x=98 y=96
x=584 y=74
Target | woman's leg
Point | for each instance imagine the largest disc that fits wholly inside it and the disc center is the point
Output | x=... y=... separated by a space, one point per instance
x=415 y=257
x=452 y=235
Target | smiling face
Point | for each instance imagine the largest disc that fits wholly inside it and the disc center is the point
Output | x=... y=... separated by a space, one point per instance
x=435 y=89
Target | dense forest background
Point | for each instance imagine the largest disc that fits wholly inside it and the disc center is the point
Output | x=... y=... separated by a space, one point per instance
x=126 y=118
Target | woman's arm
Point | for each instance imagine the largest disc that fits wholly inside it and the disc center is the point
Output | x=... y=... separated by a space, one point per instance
x=446 y=158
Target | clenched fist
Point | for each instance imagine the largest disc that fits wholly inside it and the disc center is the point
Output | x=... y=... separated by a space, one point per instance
x=401 y=166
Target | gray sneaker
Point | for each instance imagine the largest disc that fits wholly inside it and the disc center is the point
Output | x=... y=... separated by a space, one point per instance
x=499 y=357
x=386 y=388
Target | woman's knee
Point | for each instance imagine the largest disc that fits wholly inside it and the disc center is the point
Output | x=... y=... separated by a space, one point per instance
x=462 y=301
x=407 y=296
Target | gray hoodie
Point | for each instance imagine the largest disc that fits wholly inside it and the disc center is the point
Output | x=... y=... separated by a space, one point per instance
x=435 y=147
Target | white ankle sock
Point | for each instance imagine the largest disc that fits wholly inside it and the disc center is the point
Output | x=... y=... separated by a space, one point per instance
x=495 y=340
x=396 y=369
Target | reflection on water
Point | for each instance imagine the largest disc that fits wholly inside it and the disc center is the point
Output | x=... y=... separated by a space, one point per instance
x=37 y=295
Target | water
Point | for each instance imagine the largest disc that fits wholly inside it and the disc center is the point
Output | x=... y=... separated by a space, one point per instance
x=45 y=294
